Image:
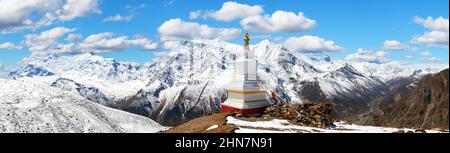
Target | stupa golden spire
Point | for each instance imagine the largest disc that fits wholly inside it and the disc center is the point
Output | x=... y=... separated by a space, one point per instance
x=246 y=39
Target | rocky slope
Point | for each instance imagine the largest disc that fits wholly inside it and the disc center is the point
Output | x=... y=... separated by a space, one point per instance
x=421 y=104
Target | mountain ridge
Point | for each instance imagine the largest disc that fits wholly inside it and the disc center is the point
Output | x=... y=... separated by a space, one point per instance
x=292 y=76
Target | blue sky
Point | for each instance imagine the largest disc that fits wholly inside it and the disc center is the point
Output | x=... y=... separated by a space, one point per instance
x=350 y=25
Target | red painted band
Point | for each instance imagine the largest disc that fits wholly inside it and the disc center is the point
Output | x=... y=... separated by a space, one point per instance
x=243 y=111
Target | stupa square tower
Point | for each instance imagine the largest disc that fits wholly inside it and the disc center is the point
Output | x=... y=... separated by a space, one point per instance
x=245 y=94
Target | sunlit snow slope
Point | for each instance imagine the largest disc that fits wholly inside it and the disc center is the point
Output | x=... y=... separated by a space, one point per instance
x=34 y=107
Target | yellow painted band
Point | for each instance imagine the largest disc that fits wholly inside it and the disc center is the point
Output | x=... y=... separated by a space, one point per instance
x=245 y=92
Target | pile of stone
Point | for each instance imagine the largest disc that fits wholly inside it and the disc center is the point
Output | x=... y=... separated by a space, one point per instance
x=310 y=114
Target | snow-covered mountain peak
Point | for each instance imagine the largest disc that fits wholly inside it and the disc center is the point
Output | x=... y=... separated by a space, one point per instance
x=86 y=65
x=30 y=70
x=349 y=70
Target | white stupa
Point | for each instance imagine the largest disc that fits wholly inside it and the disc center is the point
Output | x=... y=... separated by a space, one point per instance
x=245 y=94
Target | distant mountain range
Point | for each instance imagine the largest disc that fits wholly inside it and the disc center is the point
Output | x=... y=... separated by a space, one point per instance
x=167 y=88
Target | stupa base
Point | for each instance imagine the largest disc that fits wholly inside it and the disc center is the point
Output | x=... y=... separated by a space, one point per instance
x=244 y=111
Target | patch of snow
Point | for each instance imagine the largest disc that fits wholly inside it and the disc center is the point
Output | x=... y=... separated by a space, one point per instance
x=250 y=130
x=283 y=126
x=212 y=127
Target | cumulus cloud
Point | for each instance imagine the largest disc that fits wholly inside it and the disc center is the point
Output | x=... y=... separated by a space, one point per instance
x=9 y=45
x=117 y=18
x=427 y=57
x=145 y=43
x=362 y=55
x=77 y=8
x=432 y=38
x=176 y=29
x=279 y=21
x=46 y=39
x=229 y=12
x=195 y=14
x=48 y=42
x=394 y=45
x=105 y=42
x=311 y=44
x=73 y=37
x=438 y=24
x=438 y=33
x=171 y=44
x=32 y=14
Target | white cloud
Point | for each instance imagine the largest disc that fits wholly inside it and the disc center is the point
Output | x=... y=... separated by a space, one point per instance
x=362 y=55
x=279 y=21
x=430 y=59
x=78 y=8
x=9 y=45
x=409 y=57
x=171 y=44
x=168 y=2
x=45 y=40
x=438 y=33
x=32 y=14
x=427 y=57
x=434 y=59
x=142 y=41
x=311 y=44
x=15 y=15
x=104 y=42
x=278 y=39
x=229 y=12
x=176 y=29
x=73 y=37
x=432 y=38
x=134 y=8
x=394 y=45
x=262 y=36
x=438 y=24
x=195 y=14
x=118 y=17
x=425 y=53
